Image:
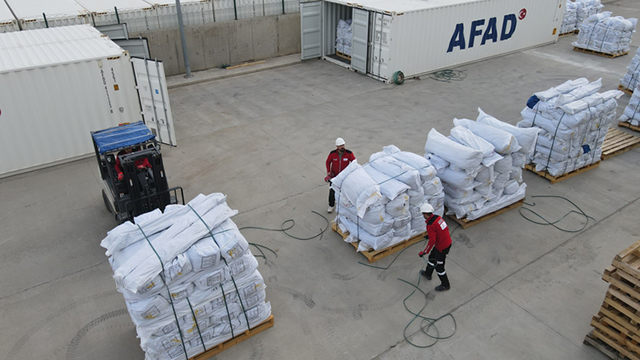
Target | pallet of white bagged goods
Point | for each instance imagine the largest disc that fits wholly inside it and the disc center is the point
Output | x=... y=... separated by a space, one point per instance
x=618 y=142
x=599 y=53
x=343 y=55
x=569 y=33
x=464 y=223
x=556 y=179
x=624 y=89
x=235 y=340
x=375 y=255
x=629 y=126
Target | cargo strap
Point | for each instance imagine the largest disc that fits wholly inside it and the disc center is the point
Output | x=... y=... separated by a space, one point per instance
x=232 y=278
x=604 y=37
x=197 y=326
x=591 y=34
x=168 y=293
x=632 y=82
x=554 y=142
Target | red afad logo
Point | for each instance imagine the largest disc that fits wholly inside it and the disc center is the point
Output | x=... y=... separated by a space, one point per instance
x=522 y=14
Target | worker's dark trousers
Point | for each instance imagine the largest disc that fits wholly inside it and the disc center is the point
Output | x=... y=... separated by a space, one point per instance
x=436 y=262
x=332 y=196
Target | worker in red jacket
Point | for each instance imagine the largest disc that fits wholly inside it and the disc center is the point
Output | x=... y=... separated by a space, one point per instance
x=139 y=164
x=337 y=161
x=437 y=248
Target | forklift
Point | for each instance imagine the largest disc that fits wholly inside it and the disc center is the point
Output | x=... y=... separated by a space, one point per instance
x=131 y=167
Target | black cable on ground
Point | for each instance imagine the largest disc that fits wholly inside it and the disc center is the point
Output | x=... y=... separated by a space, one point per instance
x=555 y=222
x=428 y=325
x=284 y=227
x=448 y=75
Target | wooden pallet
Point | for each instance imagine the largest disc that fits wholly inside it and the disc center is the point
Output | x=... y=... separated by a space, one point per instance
x=464 y=223
x=236 y=340
x=373 y=255
x=618 y=142
x=616 y=326
x=608 y=346
x=627 y=125
x=624 y=89
x=343 y=55
x=569 y=33
x=599 y=53
x=556 y=179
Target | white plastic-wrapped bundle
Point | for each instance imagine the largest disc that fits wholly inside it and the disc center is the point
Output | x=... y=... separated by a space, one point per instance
x=344 y=35
x=187 y=277
x=606 y=34
x=573 y=119
x=569 y=18
x=632 y=111
x=404 y=181
x=586 y=8
x=630 y=79
x=497 y=183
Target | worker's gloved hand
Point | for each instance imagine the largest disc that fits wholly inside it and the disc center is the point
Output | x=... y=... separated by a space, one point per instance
x=120 y=176
x=327 y=178
x=421 y=253
x=140 y=167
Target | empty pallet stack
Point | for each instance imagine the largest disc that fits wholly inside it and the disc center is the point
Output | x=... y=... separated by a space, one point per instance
x=378 y=203
x=189 y=280
x=574 y=119
x=616 y=327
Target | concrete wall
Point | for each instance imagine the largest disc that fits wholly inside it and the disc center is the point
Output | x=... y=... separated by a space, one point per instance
x=225 y=43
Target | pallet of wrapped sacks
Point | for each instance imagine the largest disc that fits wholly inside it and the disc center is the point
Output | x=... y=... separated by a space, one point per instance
x=573 y=119
x=190 y=283
x=378 y=203
x=631 y=116
x=605 y=35
x=480 y=164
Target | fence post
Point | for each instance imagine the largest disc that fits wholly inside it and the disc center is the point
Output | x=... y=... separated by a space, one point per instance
x=235 y=9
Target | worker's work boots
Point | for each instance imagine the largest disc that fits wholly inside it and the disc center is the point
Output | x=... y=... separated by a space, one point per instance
x=444 y=286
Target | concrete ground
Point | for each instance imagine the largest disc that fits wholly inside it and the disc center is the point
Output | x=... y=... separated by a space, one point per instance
x=519 y=290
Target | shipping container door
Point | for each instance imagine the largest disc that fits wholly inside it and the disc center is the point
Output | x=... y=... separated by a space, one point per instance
x=154 y=99
x=359 y=45
x=310 y=28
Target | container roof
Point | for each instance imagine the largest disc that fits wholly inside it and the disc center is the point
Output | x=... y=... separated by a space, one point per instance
x=5 y=13
x=33 y=9
x=98 y=6
x=401 y=6
x=23 y=50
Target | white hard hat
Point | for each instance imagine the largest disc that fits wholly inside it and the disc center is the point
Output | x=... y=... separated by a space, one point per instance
x=426 y=208
x=339 y=141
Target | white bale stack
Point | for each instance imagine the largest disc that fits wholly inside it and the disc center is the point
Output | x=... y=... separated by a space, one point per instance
x=569 y=18
x=573 y=119
x=586 y=8
x=181 y=286
x=481 y=164
x=344 y=35
x=606 y=34
x=631 y=113
x=630 y=79
x=378 y=203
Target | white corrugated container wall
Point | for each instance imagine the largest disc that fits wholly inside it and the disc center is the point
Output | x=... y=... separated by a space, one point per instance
x=57 y=13
x=137 y=14
x=536 y=23
x=418 y=37
x=193 y=12
x=55 y=89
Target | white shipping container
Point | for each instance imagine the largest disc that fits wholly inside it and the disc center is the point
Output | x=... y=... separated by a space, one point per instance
x=417 y=37
x=57 y=85
x=7 y=21
x=137 y=14
x=56 y=13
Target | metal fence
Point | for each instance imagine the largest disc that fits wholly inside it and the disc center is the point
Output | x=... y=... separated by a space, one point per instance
x=163 y=16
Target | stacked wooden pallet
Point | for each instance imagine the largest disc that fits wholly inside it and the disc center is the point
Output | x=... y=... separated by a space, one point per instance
x=617 y=324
